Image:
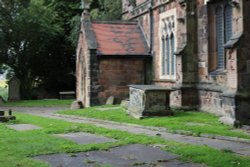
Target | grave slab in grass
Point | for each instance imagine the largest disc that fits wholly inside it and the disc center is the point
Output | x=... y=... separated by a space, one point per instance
x=86 y=138
x=124 y=156
x=142 y=153
x=64 y=160
x=23 y=127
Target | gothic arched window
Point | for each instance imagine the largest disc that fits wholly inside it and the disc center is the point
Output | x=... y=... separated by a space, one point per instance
x=168 y=59
x=221 y=30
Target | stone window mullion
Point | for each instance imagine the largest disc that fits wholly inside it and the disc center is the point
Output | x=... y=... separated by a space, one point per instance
x=168 y=55
x=163 y=55
x=172 y=55
x=167 y=26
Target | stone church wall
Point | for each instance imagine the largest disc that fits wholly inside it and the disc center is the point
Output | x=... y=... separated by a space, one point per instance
x=222 y=92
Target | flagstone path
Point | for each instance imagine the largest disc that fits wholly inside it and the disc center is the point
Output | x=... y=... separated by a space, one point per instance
x=241 y=148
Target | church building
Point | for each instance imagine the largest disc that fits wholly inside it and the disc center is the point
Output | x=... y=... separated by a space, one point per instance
x=197 y=47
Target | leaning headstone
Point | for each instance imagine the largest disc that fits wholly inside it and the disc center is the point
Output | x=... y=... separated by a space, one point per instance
x=110 y=100
x=76 y=105
x=14 y=89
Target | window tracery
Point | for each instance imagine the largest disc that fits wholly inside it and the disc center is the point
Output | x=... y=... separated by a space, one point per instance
x=168 y=59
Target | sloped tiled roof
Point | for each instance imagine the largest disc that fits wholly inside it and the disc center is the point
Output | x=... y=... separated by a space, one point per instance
x=119 y=38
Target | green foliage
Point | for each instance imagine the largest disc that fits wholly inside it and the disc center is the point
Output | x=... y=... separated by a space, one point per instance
x=106 y=9
x=4 y=93
x=4 y=89
x=75 y=30
x=38 y=40
x=132 y=2
x=179 y=122
x=33 y=43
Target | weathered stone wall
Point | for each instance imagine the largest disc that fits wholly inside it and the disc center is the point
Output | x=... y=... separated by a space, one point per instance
x=243 y=49
x=217 y=91
x=144 y=20
x=142 y=14
x=116 y=74
x=223 y=92
x=243 y=64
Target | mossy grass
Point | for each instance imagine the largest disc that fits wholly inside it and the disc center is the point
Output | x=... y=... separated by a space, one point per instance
x=17 y=148
x=202 y=122
x=38 y=103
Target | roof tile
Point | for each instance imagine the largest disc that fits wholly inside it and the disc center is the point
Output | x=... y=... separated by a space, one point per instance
x=119 y=39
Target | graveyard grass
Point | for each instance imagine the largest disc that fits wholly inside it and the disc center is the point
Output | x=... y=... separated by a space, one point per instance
x=190 y=123
x=17 y=148
x=38 y=103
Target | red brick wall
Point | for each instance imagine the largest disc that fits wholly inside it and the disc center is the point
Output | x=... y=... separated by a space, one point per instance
x=116 y=74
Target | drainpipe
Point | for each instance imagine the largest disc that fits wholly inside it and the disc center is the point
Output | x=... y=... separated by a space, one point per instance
x=151 y=18
x=148 y=67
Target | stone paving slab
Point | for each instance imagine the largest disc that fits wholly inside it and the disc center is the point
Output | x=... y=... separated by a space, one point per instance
x=124 y=156
x=143 y=153
x=64 y=160
x=23 y=127
x=85 y=138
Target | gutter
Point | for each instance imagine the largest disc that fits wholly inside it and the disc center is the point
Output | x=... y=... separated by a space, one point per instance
x=151 y=18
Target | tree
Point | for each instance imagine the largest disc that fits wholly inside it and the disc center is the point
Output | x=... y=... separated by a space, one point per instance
x=27 y=30
x=38 y=40
x=106 y=9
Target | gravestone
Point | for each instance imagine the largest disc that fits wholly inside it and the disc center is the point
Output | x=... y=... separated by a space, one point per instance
x=149 y=100
x=76 y=105
x=14 y=89
x=110 y=100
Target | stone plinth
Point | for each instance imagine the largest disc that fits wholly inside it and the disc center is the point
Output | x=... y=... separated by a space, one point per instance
x=148 y=100
x=6 y=118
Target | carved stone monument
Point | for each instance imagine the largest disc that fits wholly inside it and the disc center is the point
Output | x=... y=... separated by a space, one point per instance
x=14 y=89
x=148 y=100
